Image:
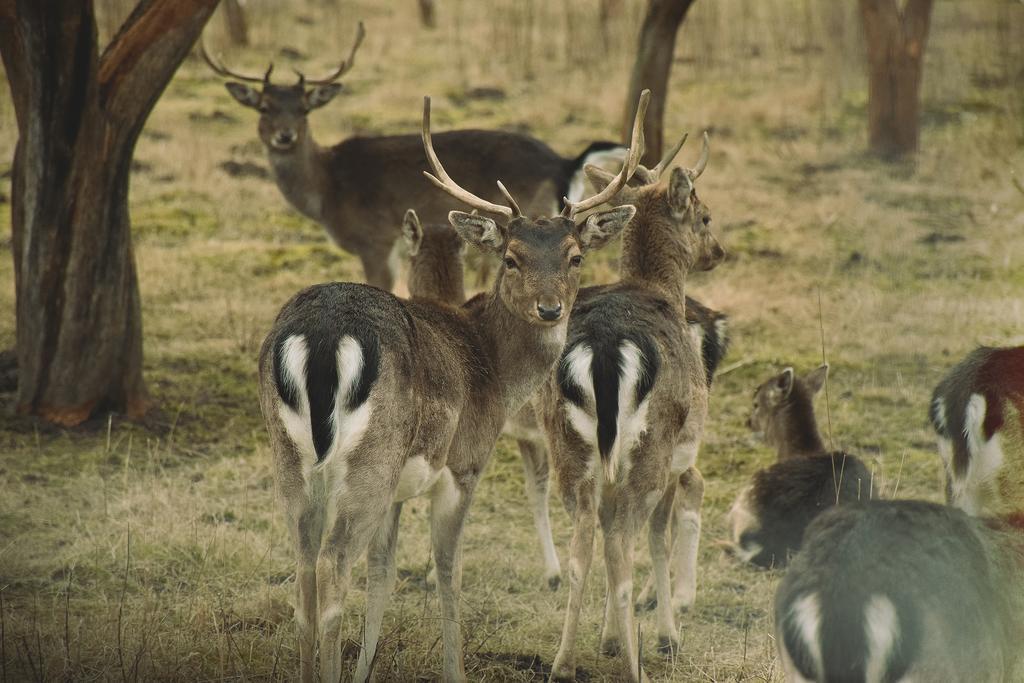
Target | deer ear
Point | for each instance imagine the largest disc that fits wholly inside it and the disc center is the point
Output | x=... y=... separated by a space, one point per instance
x=815 y=379
x=321 y=95
x=602 y=227
x=784 y=382
x=679 y=188
x=598 y=176
x=478 y=230
x=245 y=95
x=412 y=231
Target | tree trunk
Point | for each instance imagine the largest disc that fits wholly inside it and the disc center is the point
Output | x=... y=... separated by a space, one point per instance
x=895 y=47
x=234 y=19
x=428 y=13
x=79 y=323
x=657 y=44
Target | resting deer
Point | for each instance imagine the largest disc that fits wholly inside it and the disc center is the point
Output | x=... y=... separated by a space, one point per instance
x=770 y=515
x=978 y=412
x=358 y=188
x=435 y=272
x=903 y=591
x=370 y=400
x=624 y=411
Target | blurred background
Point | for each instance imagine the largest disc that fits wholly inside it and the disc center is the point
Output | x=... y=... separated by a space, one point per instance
x=152 y=549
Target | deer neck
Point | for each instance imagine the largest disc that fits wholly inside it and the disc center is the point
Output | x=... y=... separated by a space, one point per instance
x=523 y=353
x=652 y=255
x=794 y=432
x=301 y=175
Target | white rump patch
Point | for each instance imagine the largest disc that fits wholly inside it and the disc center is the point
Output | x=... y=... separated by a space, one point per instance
x=939 y=406
x=806 y=616
x=985 y=458
x=347 y=427
x=577 y=369
x=881 y=629
x=609 y=159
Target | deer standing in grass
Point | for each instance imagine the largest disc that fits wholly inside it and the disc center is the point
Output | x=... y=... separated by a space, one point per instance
x=977 y=411
x=903 y=591
x=625 y=409
x=770 y=515
x=436 y=272
x=370 y=400
x=359 y=188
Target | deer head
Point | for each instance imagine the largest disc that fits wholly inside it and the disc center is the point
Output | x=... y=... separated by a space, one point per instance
x=542 y=256
x=283 y=108
x=677 y=203
x=783 y=409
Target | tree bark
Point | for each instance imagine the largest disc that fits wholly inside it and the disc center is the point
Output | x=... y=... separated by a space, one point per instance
x=656 y=46
x=78 y=314
x=234 y=19
x=895 y=46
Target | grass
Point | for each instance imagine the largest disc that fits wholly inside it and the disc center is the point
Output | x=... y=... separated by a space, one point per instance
x=154 y=550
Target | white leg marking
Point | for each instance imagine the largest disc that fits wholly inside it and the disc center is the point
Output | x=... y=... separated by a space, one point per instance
x=806 y=616
x=444 y=494
x=416 y=478
x=684 y=456
x=882 y=630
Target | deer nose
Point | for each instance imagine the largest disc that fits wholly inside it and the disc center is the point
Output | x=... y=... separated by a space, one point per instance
x=547 y=312
x=285 y=137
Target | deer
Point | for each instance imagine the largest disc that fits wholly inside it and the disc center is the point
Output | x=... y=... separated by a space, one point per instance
x=903 y=590
x=358 y=189
x=370 y=400
x=770 y=514
x=977 y=411
x=625 y=407
x=436 y=272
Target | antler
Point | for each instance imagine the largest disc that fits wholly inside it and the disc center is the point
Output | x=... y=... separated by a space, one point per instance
x=344 y=66
x=702 y=163
x=636 y=150
x=221 y=70
x=668 y=158
x=443 y=181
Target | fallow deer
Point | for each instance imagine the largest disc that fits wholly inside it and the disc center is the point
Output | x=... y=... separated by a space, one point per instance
x=370 y=400
x=436 y=272
x=358 y=188
x=903 y=591
x=770 y=515
x=625 y=409
x=978 y=412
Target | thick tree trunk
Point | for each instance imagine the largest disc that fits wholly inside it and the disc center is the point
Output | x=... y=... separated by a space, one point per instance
x=79 y=324
x=656 y=45
x=234 y=19
x=895 y=46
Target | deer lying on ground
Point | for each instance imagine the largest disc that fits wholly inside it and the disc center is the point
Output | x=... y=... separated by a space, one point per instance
x=370 y=400
x=770 y=515
x=903 y=591
x=978 y=412
x=358 y=188
x=436 y=272
x=625 y=408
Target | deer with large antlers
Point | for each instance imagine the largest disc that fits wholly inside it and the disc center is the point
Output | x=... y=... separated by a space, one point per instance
x=359 y=188
x=371 y=400
x=624 y=412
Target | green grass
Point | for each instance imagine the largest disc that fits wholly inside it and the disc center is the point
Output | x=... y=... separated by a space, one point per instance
x=155 y=550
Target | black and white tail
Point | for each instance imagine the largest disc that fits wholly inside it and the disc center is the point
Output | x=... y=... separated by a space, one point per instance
x=609 y=155
x=605 y=387
x=324 y=382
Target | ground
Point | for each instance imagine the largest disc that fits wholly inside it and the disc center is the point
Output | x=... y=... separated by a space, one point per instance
x=155 y=550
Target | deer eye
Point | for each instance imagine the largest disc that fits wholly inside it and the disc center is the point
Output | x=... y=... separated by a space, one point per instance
x=576 y=261
x=510 y=263
x=706 y=219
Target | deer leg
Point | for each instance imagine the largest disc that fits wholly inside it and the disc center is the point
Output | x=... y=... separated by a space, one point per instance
x=686 y=537
x=618 y=553
x=379 y=269
x=657 y=535
x=448 y=506
x=581 y=552
x=535 y=470
x=610 y=646
x=380 y=580
x=305 y=527
x=347 y=540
